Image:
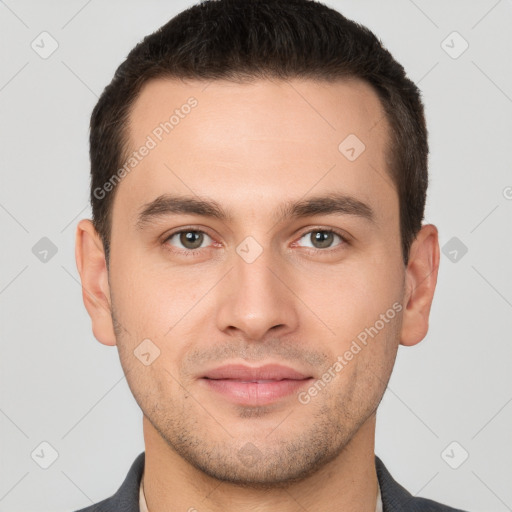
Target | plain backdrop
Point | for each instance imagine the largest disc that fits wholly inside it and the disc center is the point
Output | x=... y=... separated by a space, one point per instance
x=444 y=425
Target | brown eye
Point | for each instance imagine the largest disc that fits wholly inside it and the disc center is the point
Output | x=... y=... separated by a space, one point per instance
x=321 y=238
x=189 y=239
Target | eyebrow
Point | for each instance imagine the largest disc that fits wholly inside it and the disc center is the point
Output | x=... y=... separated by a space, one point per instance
x=329 y=204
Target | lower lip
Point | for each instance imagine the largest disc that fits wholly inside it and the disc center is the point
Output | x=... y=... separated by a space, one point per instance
x=254 y=393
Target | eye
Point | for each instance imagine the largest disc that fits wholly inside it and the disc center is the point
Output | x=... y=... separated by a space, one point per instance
x=190 y=239
x=322 y=238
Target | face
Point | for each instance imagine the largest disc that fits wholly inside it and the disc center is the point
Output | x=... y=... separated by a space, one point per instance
x=252 y=315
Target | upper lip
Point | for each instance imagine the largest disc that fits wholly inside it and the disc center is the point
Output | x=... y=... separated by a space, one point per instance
x=244 y=373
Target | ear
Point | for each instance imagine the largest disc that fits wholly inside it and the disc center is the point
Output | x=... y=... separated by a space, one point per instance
x=92 y=267
x=420 y=283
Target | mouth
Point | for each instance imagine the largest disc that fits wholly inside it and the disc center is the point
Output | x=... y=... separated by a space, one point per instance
x=250 y=386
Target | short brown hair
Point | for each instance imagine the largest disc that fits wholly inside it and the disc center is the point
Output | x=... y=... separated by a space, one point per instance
x=249 y=39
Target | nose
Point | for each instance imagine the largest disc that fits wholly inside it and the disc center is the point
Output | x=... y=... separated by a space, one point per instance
x=256 y=298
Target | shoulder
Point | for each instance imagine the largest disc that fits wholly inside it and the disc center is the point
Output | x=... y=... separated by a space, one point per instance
x=101 y=506
x=126 y=498
x=396 y=498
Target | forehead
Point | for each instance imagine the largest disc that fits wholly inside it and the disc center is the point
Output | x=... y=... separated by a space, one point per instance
x=262 y=108
x=265 y=140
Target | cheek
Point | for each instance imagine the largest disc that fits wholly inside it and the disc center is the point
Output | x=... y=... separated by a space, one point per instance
x=158 y=309
x=350 y=298
x=368 y=357
x=144 y=301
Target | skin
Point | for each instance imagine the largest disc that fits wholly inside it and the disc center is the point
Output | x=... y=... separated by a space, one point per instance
x=252 y=147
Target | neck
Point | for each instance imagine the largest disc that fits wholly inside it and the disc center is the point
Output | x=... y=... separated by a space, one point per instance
x=347 y=483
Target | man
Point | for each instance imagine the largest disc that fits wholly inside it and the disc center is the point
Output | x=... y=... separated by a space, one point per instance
x=257 y=255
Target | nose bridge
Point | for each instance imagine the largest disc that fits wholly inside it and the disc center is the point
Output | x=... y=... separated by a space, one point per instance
x=254 y=297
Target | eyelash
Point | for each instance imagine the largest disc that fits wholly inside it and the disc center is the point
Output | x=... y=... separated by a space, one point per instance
x=194 y=252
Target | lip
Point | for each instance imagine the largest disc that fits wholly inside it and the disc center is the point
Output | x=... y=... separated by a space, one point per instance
x=248 y=373
x=254 y=386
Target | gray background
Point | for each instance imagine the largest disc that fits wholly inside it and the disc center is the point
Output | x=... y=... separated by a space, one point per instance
x=60 y=386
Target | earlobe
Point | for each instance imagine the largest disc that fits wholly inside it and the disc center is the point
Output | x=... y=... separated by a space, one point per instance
x=91 y=264
x=420 y=284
